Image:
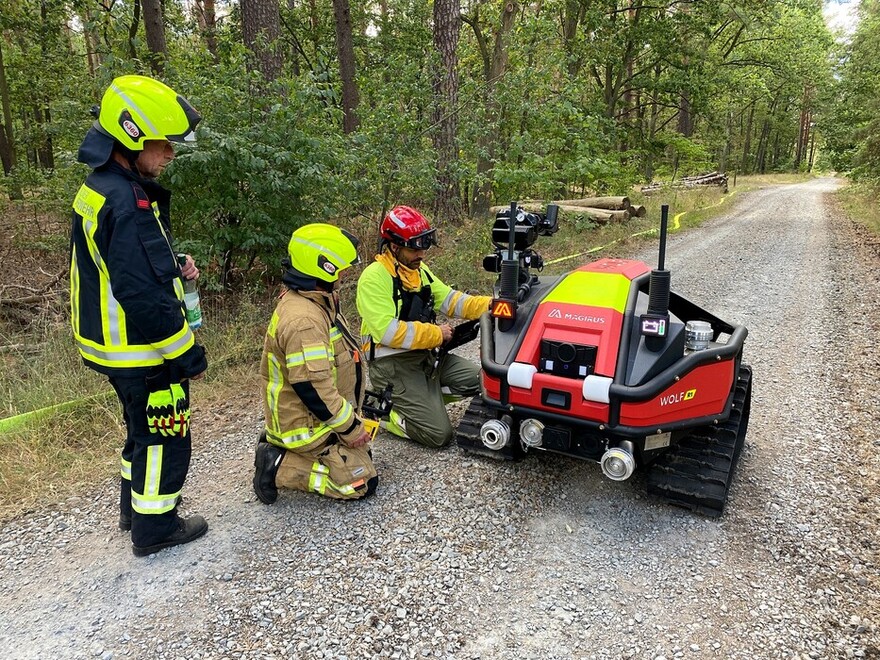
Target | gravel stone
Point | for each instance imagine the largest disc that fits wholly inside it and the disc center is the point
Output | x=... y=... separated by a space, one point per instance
x=459 y=556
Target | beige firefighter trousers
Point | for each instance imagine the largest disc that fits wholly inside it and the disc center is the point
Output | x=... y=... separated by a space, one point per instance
x=332 y=470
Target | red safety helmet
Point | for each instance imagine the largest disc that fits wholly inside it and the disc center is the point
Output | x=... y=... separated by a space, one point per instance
x=408 y=228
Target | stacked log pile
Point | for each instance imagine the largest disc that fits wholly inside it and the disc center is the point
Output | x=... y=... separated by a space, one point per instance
x=600 y=210
x=710 y=179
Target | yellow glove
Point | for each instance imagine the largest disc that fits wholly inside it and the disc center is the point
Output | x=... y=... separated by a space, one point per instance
x=168 y=411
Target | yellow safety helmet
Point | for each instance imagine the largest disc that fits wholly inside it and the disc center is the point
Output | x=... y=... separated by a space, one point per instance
x=321 y=251
x=137 y=108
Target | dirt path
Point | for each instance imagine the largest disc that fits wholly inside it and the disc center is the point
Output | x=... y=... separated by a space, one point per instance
x=460 y=557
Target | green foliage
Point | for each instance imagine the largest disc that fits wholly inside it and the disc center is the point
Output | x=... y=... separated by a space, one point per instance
x=255 y=174
x=630 y=91
x=854 y=120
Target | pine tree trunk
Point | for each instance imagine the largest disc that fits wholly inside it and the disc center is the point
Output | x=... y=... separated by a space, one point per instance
x=260 y=27
x=345 y=52
x=154 y=26
x=495 y=65
x=447 y=28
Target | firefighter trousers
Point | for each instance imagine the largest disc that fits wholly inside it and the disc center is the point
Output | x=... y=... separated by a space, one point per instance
x=153 y=467
x=418 y=391
x=330 y=469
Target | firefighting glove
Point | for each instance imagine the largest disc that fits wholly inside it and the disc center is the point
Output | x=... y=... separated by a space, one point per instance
x=168 y=411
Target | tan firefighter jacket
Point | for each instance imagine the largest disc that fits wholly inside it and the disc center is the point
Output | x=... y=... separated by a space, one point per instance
x=313 y=385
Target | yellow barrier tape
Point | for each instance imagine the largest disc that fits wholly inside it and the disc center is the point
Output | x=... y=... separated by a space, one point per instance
x=676 y=225
x=11 y=423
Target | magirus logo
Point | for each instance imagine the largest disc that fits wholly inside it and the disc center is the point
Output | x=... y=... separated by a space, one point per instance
x=557 y=313
x=678 y=397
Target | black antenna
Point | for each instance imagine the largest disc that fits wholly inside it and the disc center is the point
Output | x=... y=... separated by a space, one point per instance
x=658 y=293
x=512 y=236
x=664 y=223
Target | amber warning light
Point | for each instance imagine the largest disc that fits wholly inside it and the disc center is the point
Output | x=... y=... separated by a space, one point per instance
x=502 y=309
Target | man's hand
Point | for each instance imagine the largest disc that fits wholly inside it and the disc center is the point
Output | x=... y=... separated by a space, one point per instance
x=360 y=441
x=446 y=330
x=189 y=270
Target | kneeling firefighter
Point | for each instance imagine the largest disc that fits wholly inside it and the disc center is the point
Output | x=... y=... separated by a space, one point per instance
x=313 y=379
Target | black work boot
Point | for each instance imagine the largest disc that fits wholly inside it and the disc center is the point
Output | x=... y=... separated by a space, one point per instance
x=188 y=529
x=267 y=458
x=125 y=517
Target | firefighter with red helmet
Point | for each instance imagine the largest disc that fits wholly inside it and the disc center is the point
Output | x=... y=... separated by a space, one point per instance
x=315 y=439
x=398 y=298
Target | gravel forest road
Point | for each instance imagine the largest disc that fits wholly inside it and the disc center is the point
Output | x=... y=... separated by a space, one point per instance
x=462 y=557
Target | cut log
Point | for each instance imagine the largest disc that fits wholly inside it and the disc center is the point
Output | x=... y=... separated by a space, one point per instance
x=612 y=203
x=616 y=216
x=637 y=211
x=690 y=182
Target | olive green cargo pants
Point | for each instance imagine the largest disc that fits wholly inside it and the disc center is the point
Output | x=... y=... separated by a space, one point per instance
x=419 y=389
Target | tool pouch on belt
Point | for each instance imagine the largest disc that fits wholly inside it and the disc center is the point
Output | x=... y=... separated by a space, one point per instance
x=167 y=404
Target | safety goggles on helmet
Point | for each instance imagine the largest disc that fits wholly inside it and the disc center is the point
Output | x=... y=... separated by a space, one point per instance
x=420 y=242
x=406 y=227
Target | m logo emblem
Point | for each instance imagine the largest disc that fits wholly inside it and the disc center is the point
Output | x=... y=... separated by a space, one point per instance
x=555 y=314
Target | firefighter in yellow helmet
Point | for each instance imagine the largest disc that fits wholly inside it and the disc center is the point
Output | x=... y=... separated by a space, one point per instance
x=313 y=379
x=126 y=299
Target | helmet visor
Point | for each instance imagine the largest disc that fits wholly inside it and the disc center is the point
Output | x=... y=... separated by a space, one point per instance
x=423 y=241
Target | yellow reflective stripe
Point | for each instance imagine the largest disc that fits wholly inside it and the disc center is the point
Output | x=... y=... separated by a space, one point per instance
x=308 y=354
x=317 y=479
x=151 y=500
x=177 y=344
x=399 y=333
x=343 y=417
x=273 y=388
x=117 y=356
x=454 y=301
x=335 y=335
x=315 y=352
x=297 y=438
x=112 y=315
x=125 y=470
x=136 y=354
x=320 y=481
x=74 y=291
x=147 y=504
x=154 y=469
x=273 y=325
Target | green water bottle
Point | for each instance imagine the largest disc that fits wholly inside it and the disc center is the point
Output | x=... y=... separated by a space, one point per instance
x=191 y=299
